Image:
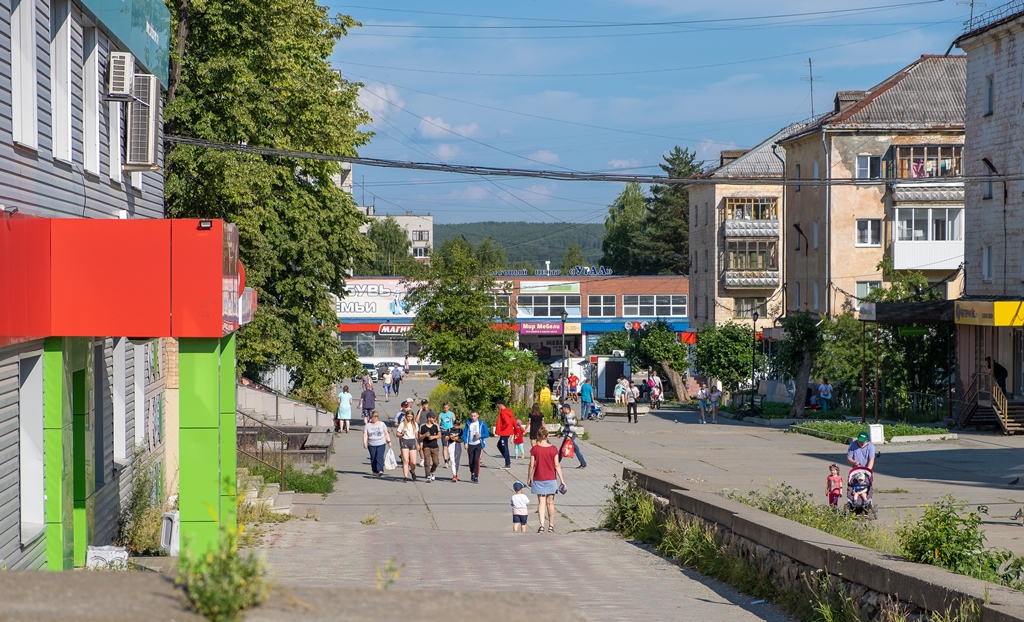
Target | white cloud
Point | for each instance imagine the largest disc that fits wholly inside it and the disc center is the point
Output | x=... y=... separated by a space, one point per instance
x=630 y=163
x=382 y=101
x=470 y=193
x=545 y=156
x=435 y=127
x=505 y=132
x=445 y=151
x=709 y=150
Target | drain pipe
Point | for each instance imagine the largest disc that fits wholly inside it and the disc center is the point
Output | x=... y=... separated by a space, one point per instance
x=828 y=232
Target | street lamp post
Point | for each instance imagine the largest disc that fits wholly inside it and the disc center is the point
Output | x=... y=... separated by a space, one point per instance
x=565 y=316
x=753 y=362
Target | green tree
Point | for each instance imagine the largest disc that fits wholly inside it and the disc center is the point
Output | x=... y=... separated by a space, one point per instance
x=447 y=250
x=668 y=215
x=842 y=342
x=658 y=346
x=457 y=326
x=490 y=255
x=573 y=257
x=797 y=353
x=625 y=241
x=258 y=72
x=611 y=341
x=724 y=352
x=390 y=250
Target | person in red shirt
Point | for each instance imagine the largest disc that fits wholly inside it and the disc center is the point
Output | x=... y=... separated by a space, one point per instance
x=504 y=428
x=517 y=439
x=545 y=476
x=574 y=387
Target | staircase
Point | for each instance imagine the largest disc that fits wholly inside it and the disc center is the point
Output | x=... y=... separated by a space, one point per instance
x=256 y=491
x=986 y=404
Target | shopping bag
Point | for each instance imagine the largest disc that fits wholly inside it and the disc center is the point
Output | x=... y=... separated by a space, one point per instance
x=568 y=449
x=389 y=460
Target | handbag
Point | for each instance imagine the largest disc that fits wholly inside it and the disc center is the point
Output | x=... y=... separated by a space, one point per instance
x=569 y=449
x=390 y=463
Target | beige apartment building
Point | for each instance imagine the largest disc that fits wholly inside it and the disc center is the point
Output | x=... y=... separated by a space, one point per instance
x=736 y=237
x=991 y=314
x=880 y=176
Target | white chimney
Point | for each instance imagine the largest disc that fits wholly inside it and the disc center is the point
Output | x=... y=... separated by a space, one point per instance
x=547 y=265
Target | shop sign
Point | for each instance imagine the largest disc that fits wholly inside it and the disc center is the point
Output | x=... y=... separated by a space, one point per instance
x=978 y=313
x=540 y=328
x=549 y=287
x=374 y=298
x=394 y=329
x=573 y=328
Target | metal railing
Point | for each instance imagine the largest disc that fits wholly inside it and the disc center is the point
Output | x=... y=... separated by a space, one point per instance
x=258 y=446
x=992 y=16
x=985 y=391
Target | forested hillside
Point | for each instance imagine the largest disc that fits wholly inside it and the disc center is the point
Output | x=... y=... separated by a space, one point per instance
x=529 y=242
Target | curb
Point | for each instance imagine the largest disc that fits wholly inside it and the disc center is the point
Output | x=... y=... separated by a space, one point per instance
x=923 y=437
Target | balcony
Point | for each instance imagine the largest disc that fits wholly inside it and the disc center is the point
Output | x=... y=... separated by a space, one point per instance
x=752 y=279
x=741 y=228
x=927 y=255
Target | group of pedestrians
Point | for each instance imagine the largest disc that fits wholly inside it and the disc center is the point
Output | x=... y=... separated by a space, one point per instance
x=708 y=400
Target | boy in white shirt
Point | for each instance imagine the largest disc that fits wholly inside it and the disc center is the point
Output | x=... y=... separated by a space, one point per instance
x=520 y=507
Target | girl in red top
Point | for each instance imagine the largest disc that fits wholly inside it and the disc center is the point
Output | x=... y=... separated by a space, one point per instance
x=834 y=485
x=545 y=475
x=517 y=438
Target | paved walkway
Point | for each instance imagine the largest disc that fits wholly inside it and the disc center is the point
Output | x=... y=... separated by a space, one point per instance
x=458 y=536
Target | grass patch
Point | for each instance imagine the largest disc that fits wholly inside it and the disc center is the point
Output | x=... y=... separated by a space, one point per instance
x=370 y=519
x=893 y=491
x=846 y=431
x=320 y=479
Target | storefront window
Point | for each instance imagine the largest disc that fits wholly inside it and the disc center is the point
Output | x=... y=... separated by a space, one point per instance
x=601 y=306
x=547 y=306
x=654 y=305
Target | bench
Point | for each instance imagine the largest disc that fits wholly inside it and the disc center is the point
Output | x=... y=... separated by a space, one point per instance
x=612 y=410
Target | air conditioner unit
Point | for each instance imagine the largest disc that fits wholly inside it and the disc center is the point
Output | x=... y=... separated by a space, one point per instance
x=143 y=119
x=120 y=76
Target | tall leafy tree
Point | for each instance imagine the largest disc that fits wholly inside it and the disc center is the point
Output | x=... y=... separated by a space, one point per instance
x=490 y=255
x=725 y=352
x=624 y=243
x=658 y=346
x=668 y=215
x=390 y=255
x=257 y=72
x=573 y=257
x=797 y=353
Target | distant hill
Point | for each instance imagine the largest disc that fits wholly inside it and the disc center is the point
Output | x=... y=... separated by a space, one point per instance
x=529 y=241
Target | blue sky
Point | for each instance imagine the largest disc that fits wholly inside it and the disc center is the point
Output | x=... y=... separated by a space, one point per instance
x=584 y=86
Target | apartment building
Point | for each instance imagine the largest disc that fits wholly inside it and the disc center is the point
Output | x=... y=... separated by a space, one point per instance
x=418 y=227
x=879 y=176
x=990 y=316
x=736 y=237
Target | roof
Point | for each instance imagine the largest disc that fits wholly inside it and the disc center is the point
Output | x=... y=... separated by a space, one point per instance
x=928 y=94
x=759 y=161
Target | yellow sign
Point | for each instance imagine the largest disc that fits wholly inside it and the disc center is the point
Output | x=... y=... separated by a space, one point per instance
x=573 y=328
x=989 y=313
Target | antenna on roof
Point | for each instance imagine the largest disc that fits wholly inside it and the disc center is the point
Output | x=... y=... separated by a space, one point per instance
x=810 y=79
x=971 y=4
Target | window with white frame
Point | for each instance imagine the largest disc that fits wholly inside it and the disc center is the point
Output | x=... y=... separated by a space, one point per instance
x=501 y=303
x=545 y=306
x=866 y=287
x=30 y=448
x=420 y=236
x=989 y=95
x=91 y=100
x=869 y=232
x=924 y=224
x=752 y=255
x=743 y=308
x=24 y=82
x=869 y=167
x=420 y=251
x=654 y=305
x=601 y=306
x=986 y=264
x=60 y=78
x=815 y=293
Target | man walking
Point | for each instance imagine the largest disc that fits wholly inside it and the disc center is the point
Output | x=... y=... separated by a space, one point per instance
x=503 y=429
x=586 y=399
x=396 y=378
x=570 y=432
x=862 y=452
x=632 y=395
x=367 y=402
x=473 y=436
x=429 y=433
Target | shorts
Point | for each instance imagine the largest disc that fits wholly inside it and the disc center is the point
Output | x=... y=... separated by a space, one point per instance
x=408 y=443
x=366 y=412
x=545 y=487
x=519 y=519
x=703 y=404
x=387 y=389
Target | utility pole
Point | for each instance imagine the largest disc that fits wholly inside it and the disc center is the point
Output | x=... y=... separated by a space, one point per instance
x=971 y=4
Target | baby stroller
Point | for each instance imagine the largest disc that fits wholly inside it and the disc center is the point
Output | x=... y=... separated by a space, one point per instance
x=859 y=489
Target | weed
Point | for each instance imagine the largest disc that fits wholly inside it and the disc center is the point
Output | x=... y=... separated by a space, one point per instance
x=320 y=479
x=140 y=520
x=585 y=436
x=370 y=519
x=893 y=491
x=221 y=583
x=387 y=576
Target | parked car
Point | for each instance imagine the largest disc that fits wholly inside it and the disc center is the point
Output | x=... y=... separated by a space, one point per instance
x=386 y=365
x=368 y=369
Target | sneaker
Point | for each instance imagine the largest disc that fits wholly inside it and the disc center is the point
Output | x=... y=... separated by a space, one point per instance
x=507 y=467
x=455 y=478
x=420 y=463
x=582 y=466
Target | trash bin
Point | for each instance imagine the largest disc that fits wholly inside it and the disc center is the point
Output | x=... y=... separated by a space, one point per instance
x=875 y=433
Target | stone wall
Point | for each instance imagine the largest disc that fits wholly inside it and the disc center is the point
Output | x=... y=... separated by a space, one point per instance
x=795 y=557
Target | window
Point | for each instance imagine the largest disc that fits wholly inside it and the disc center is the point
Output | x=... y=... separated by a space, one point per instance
x=420 y=236
x=751 y=209
x=707 y=212
x=796 y=295
x=707 y=308
x=869 y=232
x=1022 y=261
x=986 y=264
x=420 y=251
x=866 y=287
x=986 y=189
x=989 y=95
x=814 y=234
x=661 y=305
x=752 y=255
x=501 y=303
x=24 y=82
x=115 y=142
x=797 y=236
x=814 y=290
x=91 y=103
x=869 y=167
x=547 y=306
x=922 y=224
x=743 y=308
x=797 y=176
x=706 y=261
x=60 y=77
x=928 y=161
x=601 y=306
x=816 y=173
x=30 y=450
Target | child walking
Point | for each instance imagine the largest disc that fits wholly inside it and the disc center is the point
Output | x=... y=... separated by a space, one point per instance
x=834 y=485
x=517 y=438
x=520 y=507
